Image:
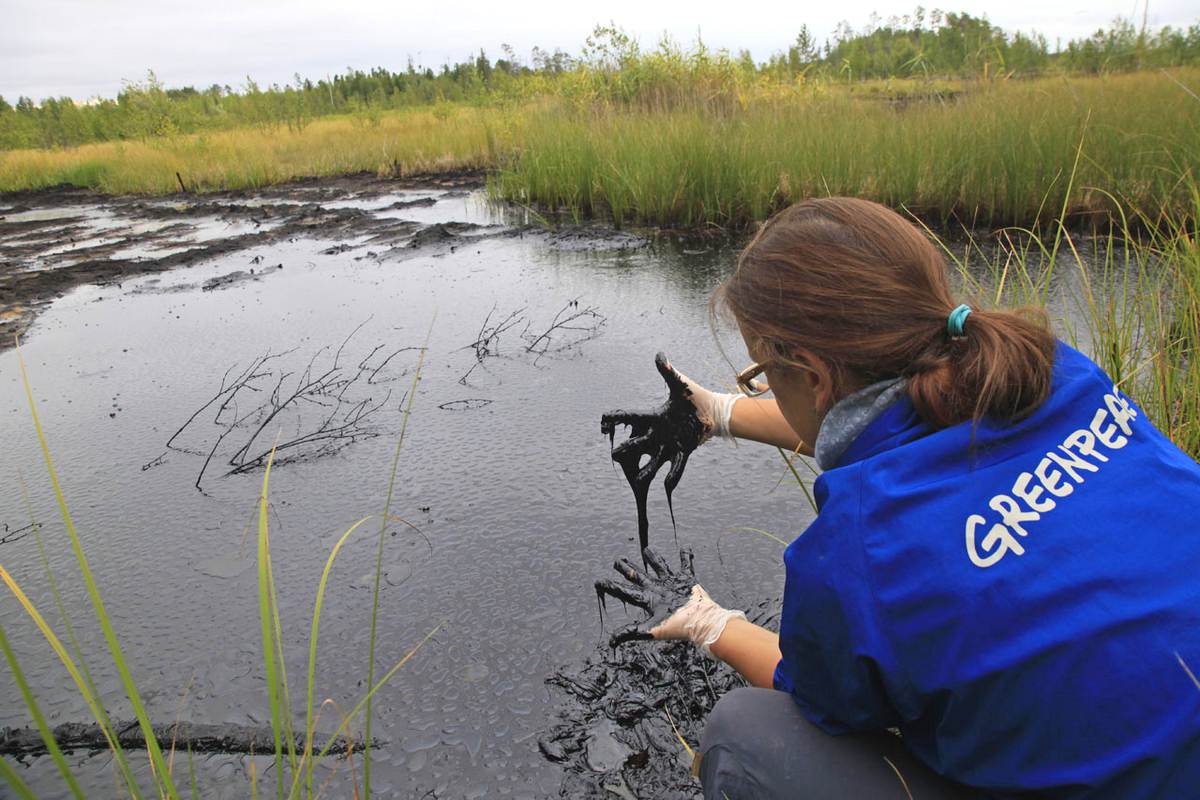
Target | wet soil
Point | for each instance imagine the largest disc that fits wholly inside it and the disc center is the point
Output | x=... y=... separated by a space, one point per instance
x=54 y=240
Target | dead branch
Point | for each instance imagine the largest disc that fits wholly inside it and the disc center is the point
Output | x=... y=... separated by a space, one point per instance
x=157 y=461
x=375 y=372
x=194 y=736
x=17 y=534
x=570 y=327
x=322 y=407
x=487 y=341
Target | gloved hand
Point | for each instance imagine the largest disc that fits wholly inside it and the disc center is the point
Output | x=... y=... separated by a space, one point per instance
x=713 y=408
x=667 y=434
x=699 y=620
x=677 y=607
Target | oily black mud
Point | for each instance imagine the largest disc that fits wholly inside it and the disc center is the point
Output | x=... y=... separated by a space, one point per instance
x=665 y=435
x=658 y=590
x=42 y=258
x=631 y=712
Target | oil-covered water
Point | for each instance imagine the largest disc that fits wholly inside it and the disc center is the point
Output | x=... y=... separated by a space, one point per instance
x=518 y=505
x=505 y=474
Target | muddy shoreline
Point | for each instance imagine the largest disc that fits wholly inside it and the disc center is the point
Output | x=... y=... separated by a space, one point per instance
x=50 y=244
x=42 y=257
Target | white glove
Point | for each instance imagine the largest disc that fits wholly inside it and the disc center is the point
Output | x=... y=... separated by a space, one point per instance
x=699 y=620
x=713 y=408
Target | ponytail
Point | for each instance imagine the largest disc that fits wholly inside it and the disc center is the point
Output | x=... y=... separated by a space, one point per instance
x=1000 y=368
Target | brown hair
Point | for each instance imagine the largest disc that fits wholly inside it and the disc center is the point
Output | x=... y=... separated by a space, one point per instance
x=857 y=285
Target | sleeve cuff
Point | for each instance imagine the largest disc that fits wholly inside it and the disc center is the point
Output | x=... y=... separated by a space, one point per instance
x=781 y=680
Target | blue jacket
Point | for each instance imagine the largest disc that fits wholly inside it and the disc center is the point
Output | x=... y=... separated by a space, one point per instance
x=1022 y=611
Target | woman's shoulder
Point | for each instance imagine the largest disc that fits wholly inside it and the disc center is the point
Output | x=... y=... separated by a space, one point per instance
x=830 y=536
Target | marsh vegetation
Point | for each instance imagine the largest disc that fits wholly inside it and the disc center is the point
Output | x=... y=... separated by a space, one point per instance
x=944 y=114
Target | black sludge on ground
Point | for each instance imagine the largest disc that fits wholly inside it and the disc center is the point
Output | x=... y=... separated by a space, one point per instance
x=633 y=705
x=508 y=506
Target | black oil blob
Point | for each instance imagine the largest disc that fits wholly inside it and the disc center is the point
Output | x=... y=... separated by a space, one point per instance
x=658 y=591
x=669 y=434
x=624 y=712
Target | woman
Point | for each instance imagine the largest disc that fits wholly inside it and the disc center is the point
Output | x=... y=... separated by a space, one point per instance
x=1004 y=566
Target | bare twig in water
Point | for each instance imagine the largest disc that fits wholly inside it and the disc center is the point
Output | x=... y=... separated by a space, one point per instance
x=465 y=404
x=157 y=461
x=16 y=534
x=570 y=327
x=487 y=342
x=375 y=372
x=320 y=408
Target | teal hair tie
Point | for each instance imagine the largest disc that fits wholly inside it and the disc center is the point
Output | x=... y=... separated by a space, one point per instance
x=954 y=323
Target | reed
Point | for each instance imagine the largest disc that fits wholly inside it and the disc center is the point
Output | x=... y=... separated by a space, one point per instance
x=1130 y=298
x=397 y=144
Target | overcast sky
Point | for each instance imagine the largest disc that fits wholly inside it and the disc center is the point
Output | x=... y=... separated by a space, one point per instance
x=85 y=48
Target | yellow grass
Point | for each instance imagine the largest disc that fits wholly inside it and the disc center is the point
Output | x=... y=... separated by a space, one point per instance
x=398 y=143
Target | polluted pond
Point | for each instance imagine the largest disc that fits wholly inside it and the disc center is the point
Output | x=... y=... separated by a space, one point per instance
x=172 y=342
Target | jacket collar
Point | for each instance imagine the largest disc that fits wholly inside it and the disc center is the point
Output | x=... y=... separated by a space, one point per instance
x=895 y=425
x=852 y=415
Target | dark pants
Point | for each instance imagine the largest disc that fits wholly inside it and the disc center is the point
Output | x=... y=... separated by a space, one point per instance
x=757 y=744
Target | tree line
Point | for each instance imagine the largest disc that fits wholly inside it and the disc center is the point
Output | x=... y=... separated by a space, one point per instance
x=611 y=67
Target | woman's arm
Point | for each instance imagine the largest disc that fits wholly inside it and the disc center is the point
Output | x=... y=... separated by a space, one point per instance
x=755 y=418
x=759 y=419
x=750 y=649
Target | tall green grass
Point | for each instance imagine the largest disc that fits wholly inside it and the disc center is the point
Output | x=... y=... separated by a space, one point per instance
x=399 y=143
x=293 y=769
x=1000 y=154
